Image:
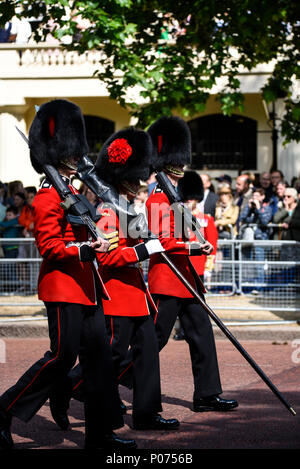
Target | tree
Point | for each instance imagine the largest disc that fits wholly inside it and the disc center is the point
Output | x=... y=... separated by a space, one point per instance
x=174 y=52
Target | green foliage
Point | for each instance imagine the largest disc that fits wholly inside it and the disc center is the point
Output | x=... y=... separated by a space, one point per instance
x=217 y=40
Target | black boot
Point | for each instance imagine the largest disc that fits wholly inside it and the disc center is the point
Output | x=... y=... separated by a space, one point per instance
x=59 y=405
x=155 y=422
x=111 y=441
x=214 y=403
x=6 y=441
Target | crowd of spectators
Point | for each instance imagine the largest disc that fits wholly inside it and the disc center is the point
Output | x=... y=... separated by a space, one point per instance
x=263 y=207
x=16 y=216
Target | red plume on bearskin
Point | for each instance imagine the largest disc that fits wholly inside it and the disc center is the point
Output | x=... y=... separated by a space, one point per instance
x=125 y=156
x=119 y=151
x=51 y=126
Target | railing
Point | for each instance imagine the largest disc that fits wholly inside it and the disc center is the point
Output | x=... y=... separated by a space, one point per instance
x=266 y=273
x=258 y=275
x=31 y=59
x=19 y=269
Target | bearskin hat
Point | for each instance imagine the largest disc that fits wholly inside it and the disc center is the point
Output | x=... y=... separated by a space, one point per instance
x=171 y=138
x=56 y=133
x=190 y=187
x=125 y=156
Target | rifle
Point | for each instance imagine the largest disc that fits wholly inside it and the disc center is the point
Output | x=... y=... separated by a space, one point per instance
x=86 y=172
x=75 y=205
x=190 y=221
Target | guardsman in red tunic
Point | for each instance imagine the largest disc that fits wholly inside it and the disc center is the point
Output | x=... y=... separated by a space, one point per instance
x=124 y=161
x=67 y=285
x=191 y=192
x=172 y=151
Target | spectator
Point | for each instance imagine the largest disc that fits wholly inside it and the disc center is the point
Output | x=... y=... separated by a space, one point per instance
x=5 y=32
x=151 y=183
x=253 y=179
x=3 y=192
x=20 y=31
x=225 y=178
x=243 y=194
x=2 y=211
x=26 y=216
x=265 y=183
x=280 y=190
x=19 y=200
x=276 y=177
x=208 y=204
x=259 y=213
x=289 y=216
x=140 y=200
x=10 y=229
x=226 y=213
x=12 y=188
x=289 y=219
x=2 y=201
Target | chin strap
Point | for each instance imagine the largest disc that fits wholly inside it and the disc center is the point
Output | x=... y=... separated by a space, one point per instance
x=172 y=170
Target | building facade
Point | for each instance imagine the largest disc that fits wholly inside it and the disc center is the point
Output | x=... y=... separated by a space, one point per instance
x=32 y=74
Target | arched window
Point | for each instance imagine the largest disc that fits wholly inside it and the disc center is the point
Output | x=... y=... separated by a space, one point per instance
x=222 y=142
x=97 y=131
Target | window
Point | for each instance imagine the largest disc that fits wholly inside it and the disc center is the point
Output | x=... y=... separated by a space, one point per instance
x=97 y=131
x=222 y=142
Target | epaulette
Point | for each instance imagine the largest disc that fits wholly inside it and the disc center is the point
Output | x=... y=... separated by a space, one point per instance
x=45 y=184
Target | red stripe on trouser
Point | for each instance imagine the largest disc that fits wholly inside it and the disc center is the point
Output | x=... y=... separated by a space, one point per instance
x=37 y=374
x=125 y=370
x=76 y=386
x=112 y=330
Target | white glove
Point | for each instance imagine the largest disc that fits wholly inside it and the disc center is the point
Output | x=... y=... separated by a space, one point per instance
x=207 y=275
x=153 y=246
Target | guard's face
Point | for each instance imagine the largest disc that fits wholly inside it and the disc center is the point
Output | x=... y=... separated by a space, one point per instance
x=70 y=165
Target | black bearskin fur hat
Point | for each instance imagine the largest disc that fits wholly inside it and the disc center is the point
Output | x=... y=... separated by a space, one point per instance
x=56 y=133
x=190 y=187
x=125 y=156
x=171 y=138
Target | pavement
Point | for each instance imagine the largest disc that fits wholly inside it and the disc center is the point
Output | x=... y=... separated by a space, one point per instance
x=260 y=422
x=241 y=330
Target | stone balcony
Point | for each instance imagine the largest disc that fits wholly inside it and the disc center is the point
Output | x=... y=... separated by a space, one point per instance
x=39 y=60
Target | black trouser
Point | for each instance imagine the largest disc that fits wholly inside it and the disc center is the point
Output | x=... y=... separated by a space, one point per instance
x=199 y=336
x=139 y=334
x=74 y=330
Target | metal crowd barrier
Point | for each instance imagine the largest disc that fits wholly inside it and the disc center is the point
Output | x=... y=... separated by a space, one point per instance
x=259 y=275
x=266 y=272
x=19 y=269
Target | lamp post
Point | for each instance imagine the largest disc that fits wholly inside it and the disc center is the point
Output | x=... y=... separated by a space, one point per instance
x=274 y=136
x=272 y=118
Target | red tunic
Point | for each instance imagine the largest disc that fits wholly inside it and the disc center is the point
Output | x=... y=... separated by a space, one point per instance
x=210 y=233
x=122 y=276
x=62 y=276
x=161 y=222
